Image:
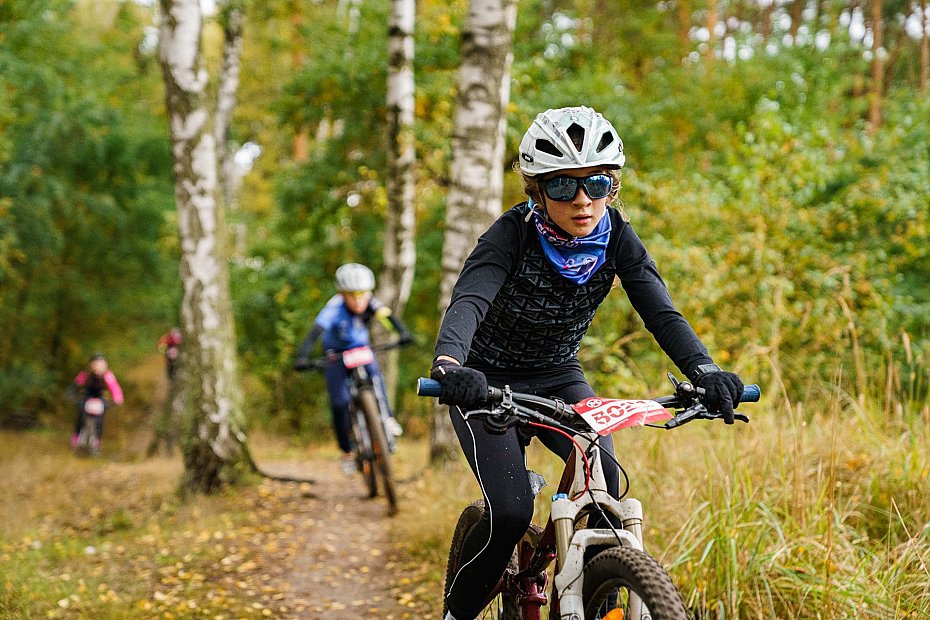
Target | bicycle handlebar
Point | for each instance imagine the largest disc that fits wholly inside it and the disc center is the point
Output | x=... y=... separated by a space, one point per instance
x=329 y=355
x=433 y=388
x=687 y=400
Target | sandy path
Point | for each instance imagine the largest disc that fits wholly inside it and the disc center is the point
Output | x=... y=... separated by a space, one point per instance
x=339 y=561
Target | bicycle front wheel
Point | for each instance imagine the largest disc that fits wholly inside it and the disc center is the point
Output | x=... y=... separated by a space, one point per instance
x=379 y=446
x=613 y=575
x=504 y=606
x=85 y=442
x=364 y=456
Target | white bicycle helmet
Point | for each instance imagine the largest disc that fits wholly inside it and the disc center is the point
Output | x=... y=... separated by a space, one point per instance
x=354 y=277
x=549 y=143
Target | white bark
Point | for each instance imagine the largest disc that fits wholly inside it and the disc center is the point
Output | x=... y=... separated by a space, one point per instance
x=477 y=175
x=226 y=97
x=477 y=156
x=400 y=220
x=215 y=445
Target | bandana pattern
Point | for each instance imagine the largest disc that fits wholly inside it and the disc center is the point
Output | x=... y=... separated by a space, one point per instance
x=575 y=258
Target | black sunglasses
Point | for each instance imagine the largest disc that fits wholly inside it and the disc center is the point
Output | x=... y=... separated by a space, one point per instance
x=564 y=188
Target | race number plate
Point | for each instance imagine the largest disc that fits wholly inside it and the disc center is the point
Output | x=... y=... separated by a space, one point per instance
x=359 y=356
x=605 y=415
x=94 y=406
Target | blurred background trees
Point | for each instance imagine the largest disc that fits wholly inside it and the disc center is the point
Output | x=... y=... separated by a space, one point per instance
x=778 y=171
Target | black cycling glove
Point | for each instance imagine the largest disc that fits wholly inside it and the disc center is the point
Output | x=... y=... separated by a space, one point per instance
x=722 y=392
x=465 y=387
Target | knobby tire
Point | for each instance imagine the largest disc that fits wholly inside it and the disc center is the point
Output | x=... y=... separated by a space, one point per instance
x=506 y=605
x=364 y=456
x=623 y=567
x=85 y=443
x=379 y=445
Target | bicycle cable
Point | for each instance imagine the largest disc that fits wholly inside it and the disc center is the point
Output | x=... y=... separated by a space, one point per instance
x=626 y=478
x=604 y=517
x=584 y=456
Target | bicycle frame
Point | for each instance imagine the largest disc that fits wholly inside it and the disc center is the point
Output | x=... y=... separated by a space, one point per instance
x=562 y=542
x=359 y=380
x=368 y=413
x=571 y=544
x=582 y=489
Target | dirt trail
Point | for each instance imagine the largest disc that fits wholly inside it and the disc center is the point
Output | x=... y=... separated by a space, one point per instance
x=325 y=548
x=340 y=561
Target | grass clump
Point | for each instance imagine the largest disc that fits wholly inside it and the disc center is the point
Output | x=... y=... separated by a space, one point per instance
x=814 y=510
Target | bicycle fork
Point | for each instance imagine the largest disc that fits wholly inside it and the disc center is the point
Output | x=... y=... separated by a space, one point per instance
x=571 y=546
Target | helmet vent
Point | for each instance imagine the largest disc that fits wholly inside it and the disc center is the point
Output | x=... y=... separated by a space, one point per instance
x=576 y=133
x=606 y=140
x=547 y=147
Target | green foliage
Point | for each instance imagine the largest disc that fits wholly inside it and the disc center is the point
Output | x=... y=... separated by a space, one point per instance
x=791 y=237
x=84 y=186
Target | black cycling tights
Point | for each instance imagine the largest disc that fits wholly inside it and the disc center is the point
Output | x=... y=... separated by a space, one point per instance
x=498 y=462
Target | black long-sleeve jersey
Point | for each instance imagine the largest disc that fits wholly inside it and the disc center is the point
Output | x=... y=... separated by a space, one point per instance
x=511 y=309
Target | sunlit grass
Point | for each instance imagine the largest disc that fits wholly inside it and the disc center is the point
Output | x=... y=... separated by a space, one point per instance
x=99 y=538
x=816 y=511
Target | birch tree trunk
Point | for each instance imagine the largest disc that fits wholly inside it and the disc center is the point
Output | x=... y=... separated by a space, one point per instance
x=214 y=445
x=477 y=176
x=399 y=250
x=226 y=96
x=400 y=220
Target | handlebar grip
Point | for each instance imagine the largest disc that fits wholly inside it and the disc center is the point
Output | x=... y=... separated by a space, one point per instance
x=751 y=394
x=429 y=387
x=433 y=388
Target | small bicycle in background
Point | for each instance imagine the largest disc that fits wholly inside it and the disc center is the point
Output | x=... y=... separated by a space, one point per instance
x=88 y=440
x=372 y=439
x=622 y=582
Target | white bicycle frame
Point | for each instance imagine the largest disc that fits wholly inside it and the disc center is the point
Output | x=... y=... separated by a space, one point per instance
x=571 y=543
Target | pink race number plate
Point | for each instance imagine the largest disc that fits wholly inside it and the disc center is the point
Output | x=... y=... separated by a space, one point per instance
x=606 y=415
x=359 y=356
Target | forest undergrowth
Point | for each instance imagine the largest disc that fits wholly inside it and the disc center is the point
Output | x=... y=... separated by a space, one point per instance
x=816 y=509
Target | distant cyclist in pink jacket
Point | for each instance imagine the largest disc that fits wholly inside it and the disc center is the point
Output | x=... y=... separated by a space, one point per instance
x=93 y=382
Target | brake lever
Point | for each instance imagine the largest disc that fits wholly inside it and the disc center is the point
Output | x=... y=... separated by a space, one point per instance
x=683 y=418
x=471 y=413
x=700 y=412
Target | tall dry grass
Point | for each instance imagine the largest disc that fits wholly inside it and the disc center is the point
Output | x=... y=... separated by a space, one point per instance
x=819 y=508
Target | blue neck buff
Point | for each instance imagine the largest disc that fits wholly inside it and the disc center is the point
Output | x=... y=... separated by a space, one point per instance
x=576 y=258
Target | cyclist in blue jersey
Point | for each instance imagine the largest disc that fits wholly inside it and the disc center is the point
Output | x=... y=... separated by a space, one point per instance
x=343 y=324
x=523 y=301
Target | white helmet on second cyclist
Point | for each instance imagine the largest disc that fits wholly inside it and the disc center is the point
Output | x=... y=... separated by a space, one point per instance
x=549 y=143
x=353 y=277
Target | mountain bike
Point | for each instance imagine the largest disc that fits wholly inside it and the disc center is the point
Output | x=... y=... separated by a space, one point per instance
x=372 y=440
x=88 y=440
x=619 y=582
